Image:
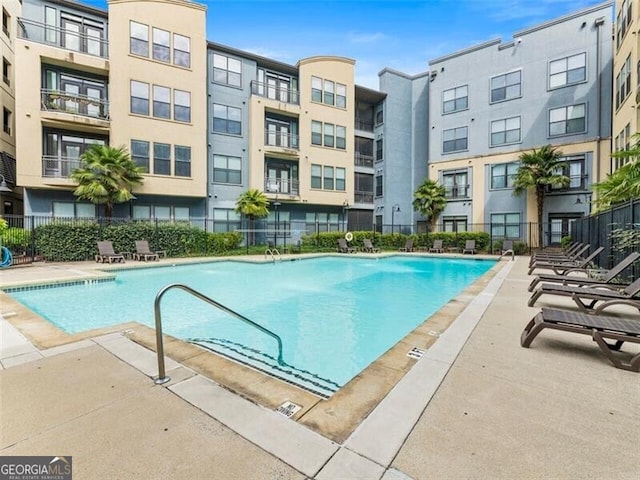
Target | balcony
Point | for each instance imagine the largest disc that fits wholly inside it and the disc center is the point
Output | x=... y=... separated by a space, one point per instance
x=58 y=37
x=365 y=126
x=281 y=139
x=275 y=93
x=280 y=186
x=73 y=103
x=58 y=167
x=364 y=160
x=363 y=197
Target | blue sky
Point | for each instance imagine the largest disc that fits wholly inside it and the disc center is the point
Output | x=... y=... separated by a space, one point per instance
x=401 y=34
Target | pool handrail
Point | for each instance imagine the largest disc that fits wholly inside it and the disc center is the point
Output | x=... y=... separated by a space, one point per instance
x=162 y=377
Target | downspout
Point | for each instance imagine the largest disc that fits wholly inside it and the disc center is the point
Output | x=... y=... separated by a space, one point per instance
x=599 y=22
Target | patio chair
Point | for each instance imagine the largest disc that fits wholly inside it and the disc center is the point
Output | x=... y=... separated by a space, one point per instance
x=560 y=268
x=343 y=246
x=561 y=257
x=408 y=246
x=599 y=327
x=143 y=252
x=437 y=246
x=507 y=249
x=469 y=247
x=567 y=279
x=604 y=292
x=368 y=246
x=107 y=254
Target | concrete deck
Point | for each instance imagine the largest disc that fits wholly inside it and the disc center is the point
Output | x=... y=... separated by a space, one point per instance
x=477 y=405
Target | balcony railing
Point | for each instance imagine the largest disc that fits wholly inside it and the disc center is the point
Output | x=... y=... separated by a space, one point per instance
x=275 y=93
x=58 y=167
x=77 y=104
x=59 y=37
x=364 y=125
x=363 y=197
x=281 y=139
x=456 y=191
x=364 y=160
x=283 y=187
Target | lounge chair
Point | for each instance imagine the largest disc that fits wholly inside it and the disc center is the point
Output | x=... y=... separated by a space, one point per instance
x=469 y=247
x=437 y=246
x=567 y=279
x=107 y=254
x=507 y=249
x=560 y=268
x=143 y=252
x=570 y=250
x=343 y=246
x=368 y=246
x=599 y=327
x=561 y=257
x=601 y=293
x=408 y=246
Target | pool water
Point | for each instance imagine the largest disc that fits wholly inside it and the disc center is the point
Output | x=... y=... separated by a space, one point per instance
x=335 y=315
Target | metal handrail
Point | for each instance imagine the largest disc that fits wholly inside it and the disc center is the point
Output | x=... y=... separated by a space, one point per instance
x=162 y=377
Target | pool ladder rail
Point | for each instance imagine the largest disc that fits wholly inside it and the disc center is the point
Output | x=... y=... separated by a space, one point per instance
x=162 y=377
x=273 y=252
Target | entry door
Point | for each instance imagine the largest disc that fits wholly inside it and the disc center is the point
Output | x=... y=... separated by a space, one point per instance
x=560 y=226
x=71 y=88
x=71 y=150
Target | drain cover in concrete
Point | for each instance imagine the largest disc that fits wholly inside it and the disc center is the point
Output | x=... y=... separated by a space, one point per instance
x=416 y=352
x=288 y=409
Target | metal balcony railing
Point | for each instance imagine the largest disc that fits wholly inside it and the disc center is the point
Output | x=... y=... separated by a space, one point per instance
x=77 y=104
x=281 y=139
x=274 y=92
x=364 y=160
x=59 y=37
x=284 y=187
x=363 y=197
x=58 y=167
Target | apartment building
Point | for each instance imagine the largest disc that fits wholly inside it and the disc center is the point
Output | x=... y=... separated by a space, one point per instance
x=133 y=77
x=10 y=193
x=491 y=102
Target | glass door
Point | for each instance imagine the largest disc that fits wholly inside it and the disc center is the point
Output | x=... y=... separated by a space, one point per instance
x=94 y=40
x=71 y=35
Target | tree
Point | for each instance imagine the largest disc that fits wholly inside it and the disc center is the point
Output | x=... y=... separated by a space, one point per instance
x=106 y=176
x=252 y=204
x=539 y=170
x=429 y=200
x=624 y=183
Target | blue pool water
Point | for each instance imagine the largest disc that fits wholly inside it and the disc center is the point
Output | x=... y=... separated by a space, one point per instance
x=335 y=315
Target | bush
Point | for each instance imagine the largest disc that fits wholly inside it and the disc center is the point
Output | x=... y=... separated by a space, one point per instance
x=16 y=239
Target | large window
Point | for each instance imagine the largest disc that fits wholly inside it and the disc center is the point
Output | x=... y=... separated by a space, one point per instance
x=454 y=223
x=623 y=82
x=182 y=159
x=140 y=154
x=327 y=181
x=316 y=176
x=328 y=92
x=568 y=70
x=506 y=87
x=505 y=131
x=623 y=21
x=181 y=106
x=341 y=95
x=160 y=212
x=328 y=135
x=74 y=210
x=316 y=133
x=181 y=50
x=341 y=175
x=227 y=169
x=567 y=120
x=161 y=45
x=503 y=175
x=161 y=102
x=379 y=150
x=138 y=39
x=328 y=178
x=6 y=120
x=505 y=225
x=379 y=184
x=454 y=140
x=455 y=99
x=227 y=70
x=139 y=98
x=573 y=167
x=455 y=183
x=363 y=188
x=227 y=119
x=161 y=159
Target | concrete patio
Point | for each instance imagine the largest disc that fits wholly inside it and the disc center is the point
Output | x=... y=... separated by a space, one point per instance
x=476 y=405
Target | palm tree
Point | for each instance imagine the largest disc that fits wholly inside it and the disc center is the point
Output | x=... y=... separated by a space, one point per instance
x=106 y=176
x=429 y=200
x=539 y=170
x=252 y=204
x=624 y=183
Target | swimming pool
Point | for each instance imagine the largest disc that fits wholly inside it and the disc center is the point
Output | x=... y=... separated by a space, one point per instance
x=335 y=315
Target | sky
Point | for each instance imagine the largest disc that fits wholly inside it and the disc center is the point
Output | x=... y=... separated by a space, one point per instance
x=399 y=34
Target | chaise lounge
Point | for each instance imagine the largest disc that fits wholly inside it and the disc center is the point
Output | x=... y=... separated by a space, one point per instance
x=560 y=268
x=408 y=246
x=599 y=327
x=470 y=247
x=437 y=246
x=107 y=254
x=143 y=252
x=570 y=254
x=343 y=247
x=368 y=246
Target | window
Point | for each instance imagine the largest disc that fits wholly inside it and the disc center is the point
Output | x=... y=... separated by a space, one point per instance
x=227 y=169
x=379 y=182
x=227 y=70
x=329 y=135
x=161 y=102
x=138 y=39
x=341 y=179
x=341 y=137
x=6 y=120
x=139 y=98
x=454 y=224
x=505 y=131
x=505 y=225
x=454 y=140
x=74 y=210
x=379 y=150
x=567 y=120
x=341 y=95
x=161 y=45
x=455 y=184
x=622 y=142
x=329 y=92
x=623 y=21
x=225 y=220
x=623 y=82
x=5 y=71
x=379 y=117
x=316 y=133
x=506 y=87
x=455 y=99
x=162 y=158
x=573 y=167
x=182 y=157
x=568 y=70
x=316 y=89
x=227 y=119
x=140 y=153
x=328 y=178
x=316 y=176
x=5 y=22
x=363 y=188
x=181 y=50
x=181 y=106
x=503 y=175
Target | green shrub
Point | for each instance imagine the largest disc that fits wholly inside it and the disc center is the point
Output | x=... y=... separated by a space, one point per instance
x=16 y=239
